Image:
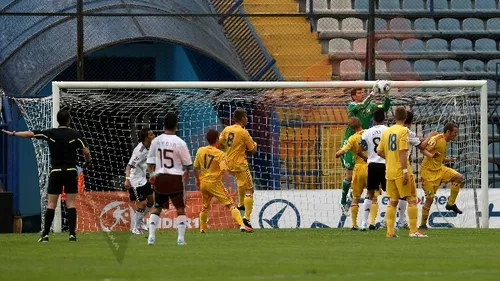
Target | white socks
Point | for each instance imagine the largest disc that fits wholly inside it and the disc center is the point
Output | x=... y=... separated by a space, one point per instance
x=181 y=227
x=154 y=221
x=402 y=211
x=367 y=205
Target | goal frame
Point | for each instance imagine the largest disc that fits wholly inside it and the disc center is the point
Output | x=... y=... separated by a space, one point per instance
x=481 y=84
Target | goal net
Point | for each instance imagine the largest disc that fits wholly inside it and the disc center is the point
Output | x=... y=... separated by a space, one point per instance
x=298 y=128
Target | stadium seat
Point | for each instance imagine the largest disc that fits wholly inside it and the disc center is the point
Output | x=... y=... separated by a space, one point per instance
x=318 y=5
x=413 y=5
x=494 y=66
x=400 y=24
x=400 y=67
x=439 y=5
x=413 y=46
x=494 y=185
x=381 y=67
x=437 y=44
x=341 y=5
x=380 y=24
x=361 y=4
x=485 y=45
x=493 y=131
x=449 y=24
x=388 y=5
x=494 y=150
x=359 y=46
x=388 y=46
x=473 y=66
x=424 y=66
x=327 y=24
x=461 y=5
x=449 y=66
x=339 y=45
x=351 y=68
x=352 y=24
x=461 y=45
x=486 y=5
x=492 y=86
x=473 y=24
x=493 y=24
x=425 y=24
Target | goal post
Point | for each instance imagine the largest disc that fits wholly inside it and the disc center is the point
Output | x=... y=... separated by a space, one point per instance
x=298 y=127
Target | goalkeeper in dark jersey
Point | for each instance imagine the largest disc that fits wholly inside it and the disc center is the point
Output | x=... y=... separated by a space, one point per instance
x=362 y=108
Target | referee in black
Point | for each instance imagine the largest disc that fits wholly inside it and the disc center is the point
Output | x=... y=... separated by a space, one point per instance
x=63 y=145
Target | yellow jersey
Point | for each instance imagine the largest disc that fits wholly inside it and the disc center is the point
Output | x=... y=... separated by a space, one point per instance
x=212 y=162
x=236 y=141
x=353 y=144
x=394 y=139
x=436 y=144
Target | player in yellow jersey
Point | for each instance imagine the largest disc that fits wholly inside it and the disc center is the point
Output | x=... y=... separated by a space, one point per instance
x=237 y=141
x=433 y=172
x=394 y=146
x=213 y=165
x=360 y=172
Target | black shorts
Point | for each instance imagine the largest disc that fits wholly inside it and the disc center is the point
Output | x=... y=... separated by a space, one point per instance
x=63 y=177
x=376 y=176
x=140 y=193
x=178 y=200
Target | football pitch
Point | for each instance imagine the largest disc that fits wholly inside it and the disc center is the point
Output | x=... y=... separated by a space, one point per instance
x=267 y=254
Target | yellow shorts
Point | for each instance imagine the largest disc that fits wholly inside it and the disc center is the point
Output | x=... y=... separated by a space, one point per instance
x=214 y=189
x=359 y=180
x=432 y=179
x=243 y=179
x=396 y=189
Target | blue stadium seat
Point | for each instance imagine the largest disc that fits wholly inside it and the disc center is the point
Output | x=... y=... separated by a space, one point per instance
x=493 y=24
x=388 y=46
x=493 y=131
x=352 y=24
x=473 y=24
x=492 y=86
x=461 y=5
x=361 y=4
x=400 y=66
x=439 y=4
x=327 y=24
x=400 y=24
x=380 y=24
x=341 y=5
x=492 y=66
x=339 y=45
x=425 y=24
x=493 y=172
x=494 y=150
x=461 y=45
x=485 y=45
x=389 y=5
x=413 y=46
x=449 y=24
x=424 y=66
x=437 y=44
x=485 y=5
x=413 y=5
x=494 y=185
x=449 y=66
x=473 y=66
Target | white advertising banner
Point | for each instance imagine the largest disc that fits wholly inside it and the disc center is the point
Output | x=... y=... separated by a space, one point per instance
x=320 y=208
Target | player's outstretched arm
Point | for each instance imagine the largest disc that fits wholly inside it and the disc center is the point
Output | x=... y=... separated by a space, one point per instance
x=23 y=134
x=127 y=178
x=197 y=177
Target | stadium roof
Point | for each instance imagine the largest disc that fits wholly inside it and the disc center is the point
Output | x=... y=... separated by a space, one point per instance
x=34 y=49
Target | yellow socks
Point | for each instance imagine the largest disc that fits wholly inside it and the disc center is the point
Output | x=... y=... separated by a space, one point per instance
x=235 y=213
x=412 y=217
x=248 y=205
x=203 y=220
x=354 y=214
x=373 y=211
x=241 y=196
x=454 y=189
x=391 y=217
x=425 y=215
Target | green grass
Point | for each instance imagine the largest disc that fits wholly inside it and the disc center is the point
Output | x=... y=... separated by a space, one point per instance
x=305 y=254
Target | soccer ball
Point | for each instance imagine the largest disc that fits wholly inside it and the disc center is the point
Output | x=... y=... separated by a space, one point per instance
x=382 y=87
